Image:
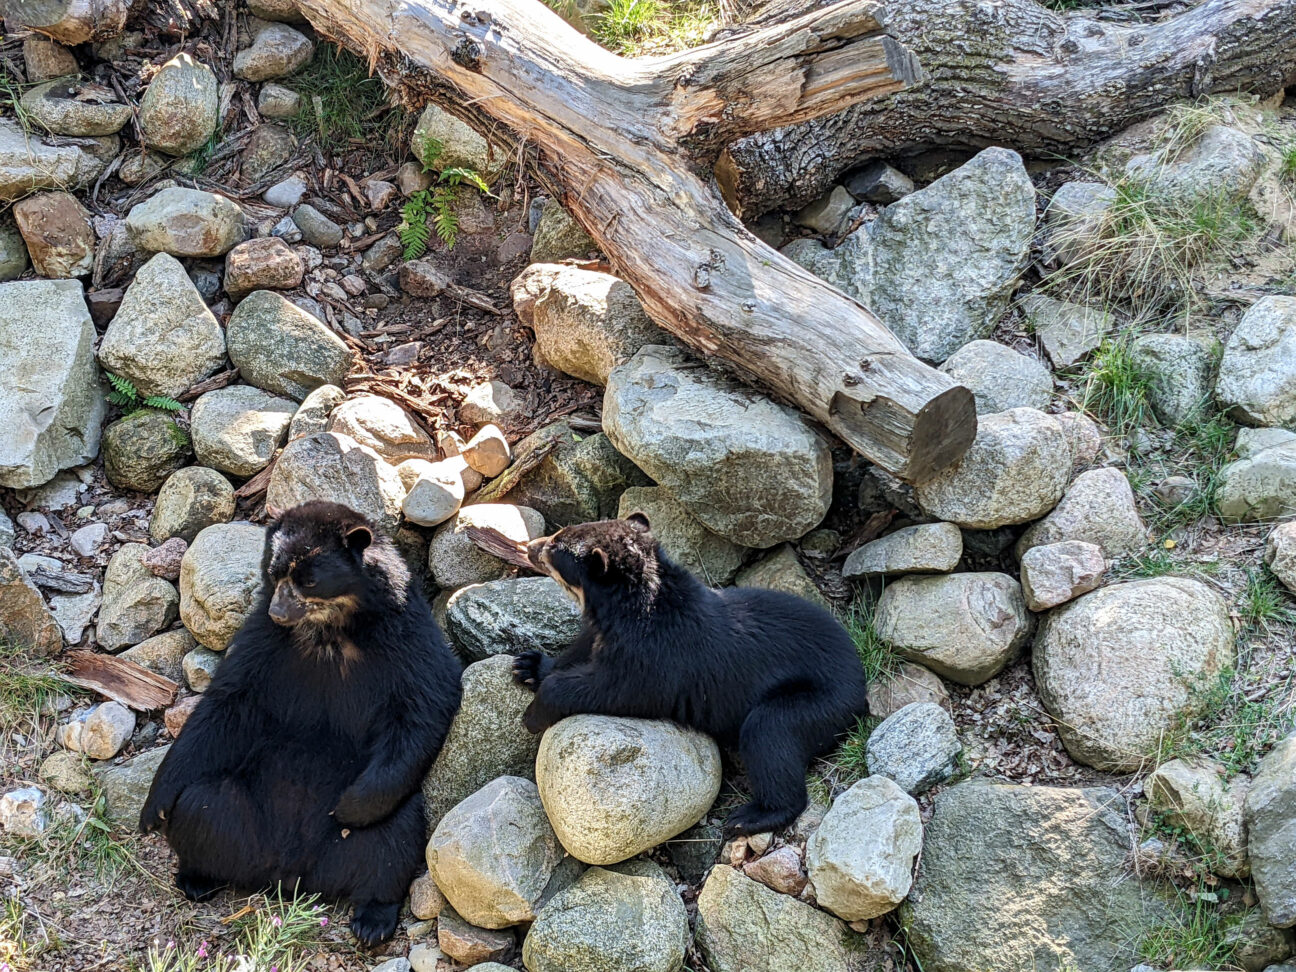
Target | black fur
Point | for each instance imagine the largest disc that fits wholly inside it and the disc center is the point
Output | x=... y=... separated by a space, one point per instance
x=301 y=766
x=769 y=673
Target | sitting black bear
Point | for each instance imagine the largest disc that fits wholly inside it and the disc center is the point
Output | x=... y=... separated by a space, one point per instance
x=763 y=670
x=301 y=765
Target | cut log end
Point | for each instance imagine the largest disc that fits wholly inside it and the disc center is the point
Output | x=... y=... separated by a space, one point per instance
x=912 y=446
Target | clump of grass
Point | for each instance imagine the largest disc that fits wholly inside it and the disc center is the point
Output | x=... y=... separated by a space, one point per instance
x=1117 y=387
x=1202 y=446
x=875 y=654
x=1265 y=604
x=270 y=939
x=637 y=27
x=341 y=100
x=1195 y=938
x=1287 y=167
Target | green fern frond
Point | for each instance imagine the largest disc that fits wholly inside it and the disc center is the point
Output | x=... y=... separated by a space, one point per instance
x=163 y=403
x=119 y=399
x=457 y=175
x=413 y=230
x=432 y=149
x=444 y=218
x=123 y=386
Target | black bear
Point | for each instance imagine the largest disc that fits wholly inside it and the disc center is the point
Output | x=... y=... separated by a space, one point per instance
x=763 y=670
x=301 y=765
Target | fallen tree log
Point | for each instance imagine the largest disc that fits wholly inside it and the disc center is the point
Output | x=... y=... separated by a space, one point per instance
x=629 y=148
x=1016 y=74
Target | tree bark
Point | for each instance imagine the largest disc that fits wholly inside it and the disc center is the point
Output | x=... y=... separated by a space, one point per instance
x=629 y=148
x=1015 y=74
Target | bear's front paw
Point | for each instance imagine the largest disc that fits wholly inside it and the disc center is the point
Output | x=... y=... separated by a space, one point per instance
x=530 y=668
x=537 y=718
x=361 y=807
x=157 y=810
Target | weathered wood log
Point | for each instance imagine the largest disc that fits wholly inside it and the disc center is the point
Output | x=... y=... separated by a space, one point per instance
x=1016 y=74
x=120 y=679
x=628 y=146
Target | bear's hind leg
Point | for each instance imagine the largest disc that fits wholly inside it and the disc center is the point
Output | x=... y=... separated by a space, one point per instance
x=218 y=833
x=373 y=867
x=778 y=739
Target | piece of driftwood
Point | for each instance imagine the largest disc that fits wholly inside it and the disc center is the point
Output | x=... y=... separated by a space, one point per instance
x=629 y=147
x=121 y=680
x=498 y=545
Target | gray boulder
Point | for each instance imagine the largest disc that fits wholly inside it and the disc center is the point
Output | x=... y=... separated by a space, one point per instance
x=455 y=561
x=743 y=926
x=186 y=222
x=486 y=739
x=1261 y=484
x=441 y=141
x=615 y=787
x=861 y=857
x=1068 y=332
x=280 y=347
x=999 y=377
x=511 y=616
x=558 y=236
x=584 y=928
x=587 y=323
x=1098 y=508
x=1058 y=855
x=24 y=619
x=100 y=732
x=199 y=667
x=1191 y=795
x=237 y=429
x=1015 y=471
x=163 y=338
x=1271 y=833
x=906 y=685
x=57 y=107
x=929 y=548
x=780 y=570
x=686 y=541
x=750 y=470
x=141 y=450
x=13 y=251
x=163 y=653
x=136 y=604
x=52 y=401
x=580 y=480
x=337 y=468
x=1221 y=163
x=1179 y=371
x=1257 y=375
x=384 y=427
x=1055 y=573
x=180 y=107
x=219 y=579
x=126 y=785
x=916 y=747
x=1280 y=553
x=1076 y=218
x=313 y=414
x=1121 y=666
x=277 y=51
x=30 y=162
x=191 y=500
x=965 y=627
x=492 y=855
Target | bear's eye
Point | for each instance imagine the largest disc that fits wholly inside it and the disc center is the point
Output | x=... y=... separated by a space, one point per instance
x=306 y=583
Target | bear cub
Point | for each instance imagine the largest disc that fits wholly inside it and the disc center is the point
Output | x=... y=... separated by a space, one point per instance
x=301 y=766
x=767 y=672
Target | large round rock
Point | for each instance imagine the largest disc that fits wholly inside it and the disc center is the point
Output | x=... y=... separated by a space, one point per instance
x=238 y=429
x=190 y=500
x=1015 y=471
x=335 y=467
x=966 y=627
x=861 y=857
x=1034 y=876
x=615 y=787
x=486 y=739
x=623 y=919
x=1257 y=375
x=1122 y=665
x=219 y=578
x=280 y=347
x=752 y=471
x=494 y=853
x=743 y=926
x=512 y=615
x=180 y=107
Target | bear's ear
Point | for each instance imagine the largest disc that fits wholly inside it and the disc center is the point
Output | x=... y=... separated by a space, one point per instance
x=639 y=521
x=598 y=563
x=358 y=538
